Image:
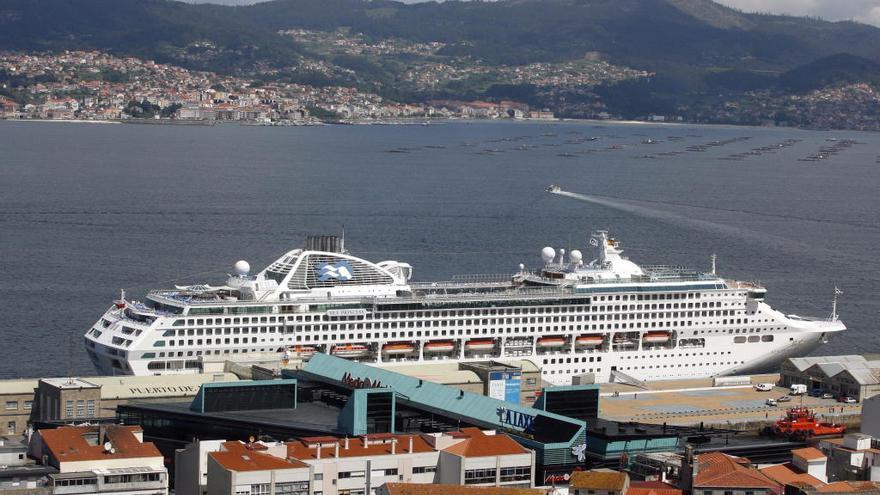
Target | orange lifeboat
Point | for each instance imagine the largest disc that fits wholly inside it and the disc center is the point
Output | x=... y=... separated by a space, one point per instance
x=589 y=340
x=398 y=348
x=440 y=346
x=554 y=342
x=350 y=350
x=479 y=345
x=298 y=350
x=659 y=337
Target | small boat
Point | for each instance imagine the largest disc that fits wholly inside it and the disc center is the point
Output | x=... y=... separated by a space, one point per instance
x=479 y=345
x=398 y=348
x=656 y=337
x=441 y=346
x=551 y=342
x=589 y=340
x=350 y=350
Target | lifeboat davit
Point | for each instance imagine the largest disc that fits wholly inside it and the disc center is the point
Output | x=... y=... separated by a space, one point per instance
x=479 y=345
x=350 y=350
x=589 y=340
x=553 y=342
x=656 y=337
x=399 y=348
x=442 y=346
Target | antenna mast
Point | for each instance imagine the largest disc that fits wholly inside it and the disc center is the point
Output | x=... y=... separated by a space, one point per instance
x=837 y=292
x=714 y=257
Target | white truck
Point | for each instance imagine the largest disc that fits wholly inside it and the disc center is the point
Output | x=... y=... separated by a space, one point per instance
x=798 y=389
x=764 y=387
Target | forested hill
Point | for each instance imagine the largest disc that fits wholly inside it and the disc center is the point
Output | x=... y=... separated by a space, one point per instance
x=693 y=48
x=651 y=34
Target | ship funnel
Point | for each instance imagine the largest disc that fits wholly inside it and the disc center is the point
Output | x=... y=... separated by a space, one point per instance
x=328 y=243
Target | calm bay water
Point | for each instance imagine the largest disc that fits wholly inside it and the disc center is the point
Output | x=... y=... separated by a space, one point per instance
x=88 y=209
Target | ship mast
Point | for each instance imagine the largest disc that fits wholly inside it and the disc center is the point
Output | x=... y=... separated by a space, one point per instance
x=837 y=292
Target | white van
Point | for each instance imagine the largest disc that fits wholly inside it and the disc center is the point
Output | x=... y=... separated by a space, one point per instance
x=798 y=389
x=764 y=387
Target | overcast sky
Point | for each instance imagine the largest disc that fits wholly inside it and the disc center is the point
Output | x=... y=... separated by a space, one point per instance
x=866 y=11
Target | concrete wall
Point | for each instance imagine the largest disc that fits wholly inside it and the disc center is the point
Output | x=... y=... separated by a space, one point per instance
x=871 y=417
x=191 y=467
x=219 y=479
x=133 y=462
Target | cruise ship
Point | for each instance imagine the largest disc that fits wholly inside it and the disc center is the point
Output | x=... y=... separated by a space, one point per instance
x=609 y=318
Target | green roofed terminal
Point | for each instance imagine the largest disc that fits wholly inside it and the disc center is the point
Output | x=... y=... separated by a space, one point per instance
x=330 y=396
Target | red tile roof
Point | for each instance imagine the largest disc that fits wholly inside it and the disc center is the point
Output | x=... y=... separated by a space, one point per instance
x=652 y=488
x=478 y=444
x=786 y=474
x=239 y=457
x=428 y=489
x=356 y=448
x=718 y=470
x=808 y=453
x=598 y=480
x=69 y=443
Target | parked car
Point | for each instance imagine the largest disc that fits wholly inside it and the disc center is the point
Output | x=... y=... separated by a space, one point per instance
x=771 y=402
x=764 y=387
x=817 y=392
x=826 y=395
x=847 y=399
x=784 y=398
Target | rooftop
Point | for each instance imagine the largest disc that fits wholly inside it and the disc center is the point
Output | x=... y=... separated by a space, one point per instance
x=598 y=480
x=864 y=371
x=356 y=447
x=479 y=444
x=786 y=474
x=652 y=488
x=82 y=443
x=69 y=383
x=718 y=470
x=808 y=453
x=238 y=456
x=432 y=489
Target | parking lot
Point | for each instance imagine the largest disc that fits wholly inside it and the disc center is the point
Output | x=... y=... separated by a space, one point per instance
x=691 y=402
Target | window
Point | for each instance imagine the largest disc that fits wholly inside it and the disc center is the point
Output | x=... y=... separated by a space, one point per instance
x=10 y=428
x=424 y=469
x=351 y=474
x=11 y=405
x=90 y=408
x=131 y=478
x=319 y=476
x=260 y=489
x=479 y=476
x=80 y=408
x=28 y=405
x=521 y=473
x=292 y=488
x=68 y=409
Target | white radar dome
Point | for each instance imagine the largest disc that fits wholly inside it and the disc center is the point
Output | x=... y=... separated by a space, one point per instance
x=242 y=268
x=575 y=256
x=547 y=254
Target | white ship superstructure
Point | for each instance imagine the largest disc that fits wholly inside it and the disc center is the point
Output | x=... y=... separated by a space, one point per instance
x=606 y=317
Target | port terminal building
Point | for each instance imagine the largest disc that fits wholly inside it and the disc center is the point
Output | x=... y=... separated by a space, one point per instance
x=338 y=398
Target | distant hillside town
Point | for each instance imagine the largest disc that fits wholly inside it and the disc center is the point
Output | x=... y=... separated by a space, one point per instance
x=97 y=86
x=91 y=85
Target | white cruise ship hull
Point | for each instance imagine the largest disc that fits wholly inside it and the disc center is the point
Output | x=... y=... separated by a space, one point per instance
x=569 y=319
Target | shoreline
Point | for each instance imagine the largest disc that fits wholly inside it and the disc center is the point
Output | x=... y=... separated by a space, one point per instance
x=423 y=122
